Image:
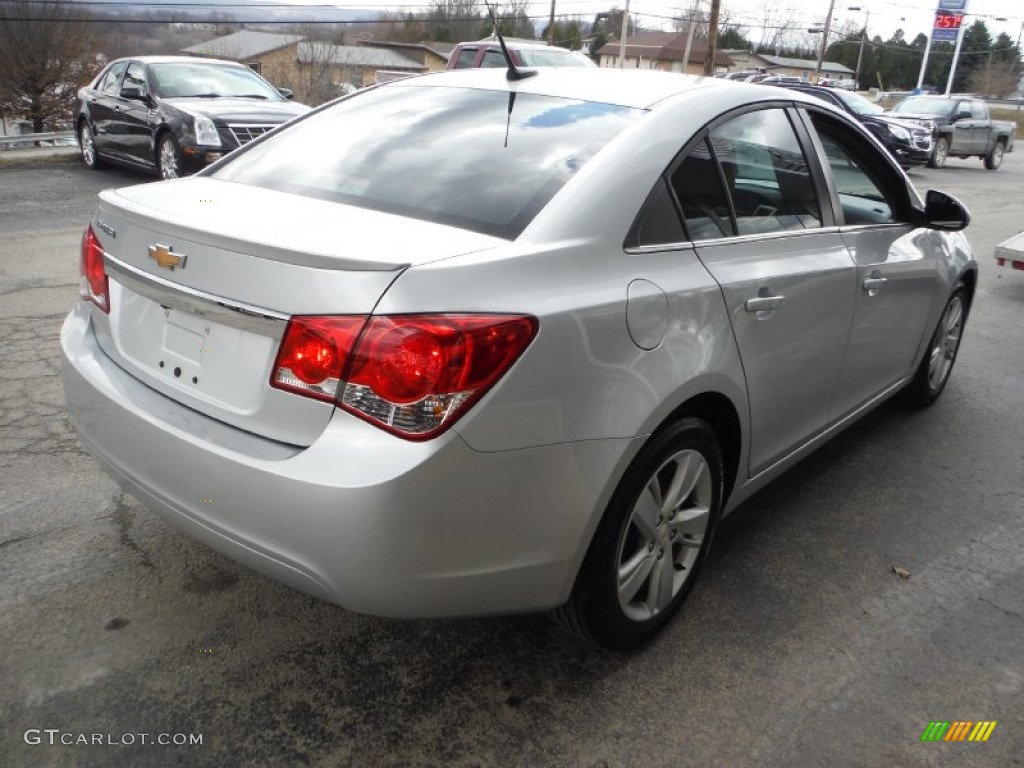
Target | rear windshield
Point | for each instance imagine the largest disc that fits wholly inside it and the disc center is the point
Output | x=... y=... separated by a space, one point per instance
x=557 y=57
x=487 y=161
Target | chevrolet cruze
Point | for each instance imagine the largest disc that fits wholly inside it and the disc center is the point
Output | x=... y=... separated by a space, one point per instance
x=479 y=342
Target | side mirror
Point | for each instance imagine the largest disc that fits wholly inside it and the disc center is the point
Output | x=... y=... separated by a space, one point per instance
x=133 y=93
x=287 y=93
x=944 y=212
x=961 y=116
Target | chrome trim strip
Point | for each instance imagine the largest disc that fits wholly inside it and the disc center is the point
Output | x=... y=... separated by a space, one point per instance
x=175 y=296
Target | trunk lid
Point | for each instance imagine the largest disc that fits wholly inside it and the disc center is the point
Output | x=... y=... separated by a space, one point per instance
x=204 y=275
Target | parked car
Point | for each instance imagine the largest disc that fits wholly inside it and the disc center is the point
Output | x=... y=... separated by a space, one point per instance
x=963 y=128
x=780 y=80
x=175 y=114
x=525 y=53
x=909 y=141
x=458 y=345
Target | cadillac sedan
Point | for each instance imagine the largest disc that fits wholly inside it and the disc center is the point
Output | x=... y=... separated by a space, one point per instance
x=479 y=342
x=175 y=114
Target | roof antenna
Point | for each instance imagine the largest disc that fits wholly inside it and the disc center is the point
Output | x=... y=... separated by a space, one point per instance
x=513 y=72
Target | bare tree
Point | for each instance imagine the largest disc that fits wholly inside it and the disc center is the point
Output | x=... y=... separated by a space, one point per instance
x=44 y=57
x=319 y=73
x=396 y=27
x=996 y=78
x=777 y=21
x=454 y=20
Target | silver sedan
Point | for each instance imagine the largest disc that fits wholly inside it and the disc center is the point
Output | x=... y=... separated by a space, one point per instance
x=467 y=344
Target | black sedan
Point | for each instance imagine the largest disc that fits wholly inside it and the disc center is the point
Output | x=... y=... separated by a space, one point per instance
x=175 y=114
x=909 y=141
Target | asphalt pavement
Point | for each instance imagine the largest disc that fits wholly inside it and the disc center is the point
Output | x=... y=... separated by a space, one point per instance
x=800 y=646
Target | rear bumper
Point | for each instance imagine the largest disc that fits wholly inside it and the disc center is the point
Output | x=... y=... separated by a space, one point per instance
x=361 y=518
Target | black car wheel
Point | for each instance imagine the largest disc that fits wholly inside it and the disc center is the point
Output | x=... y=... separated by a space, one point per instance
x=649 y=547
x=168 y=157
x=995 y=158
x=87 y=145
x=940 y=153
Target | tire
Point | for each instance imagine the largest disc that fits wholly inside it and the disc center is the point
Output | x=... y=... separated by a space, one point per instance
x=87 y=146
x=168 y=157
x=933 y=372
x=995 y=158
x=658 y=525
x=940 y=153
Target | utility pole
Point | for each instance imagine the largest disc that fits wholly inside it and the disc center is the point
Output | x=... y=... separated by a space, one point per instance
x=622 y=39
x=551 y=25
x=709 y=57
x=863 y=39
x=824 y=40
x=689 y=37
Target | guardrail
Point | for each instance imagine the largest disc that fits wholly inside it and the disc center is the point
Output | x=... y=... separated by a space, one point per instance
x=29 y=140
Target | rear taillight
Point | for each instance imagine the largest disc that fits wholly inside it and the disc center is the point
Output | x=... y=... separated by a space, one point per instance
x=413 y=375
x=93 y=284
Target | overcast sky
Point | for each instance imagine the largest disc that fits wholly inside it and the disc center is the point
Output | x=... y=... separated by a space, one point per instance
x=913 y=16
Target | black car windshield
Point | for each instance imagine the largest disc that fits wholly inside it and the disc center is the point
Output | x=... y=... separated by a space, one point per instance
x=185 y=79
x=924 y=106
x=486 y=161
x=858 y=104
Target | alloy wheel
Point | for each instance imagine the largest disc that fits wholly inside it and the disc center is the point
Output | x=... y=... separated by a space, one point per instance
x=661 y=541
x=946 y=342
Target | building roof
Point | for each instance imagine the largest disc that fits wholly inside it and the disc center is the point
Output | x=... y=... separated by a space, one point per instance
x=663 y=46
x=808 y=64
x=246 y=44
x=356 y=56
x=442 y=50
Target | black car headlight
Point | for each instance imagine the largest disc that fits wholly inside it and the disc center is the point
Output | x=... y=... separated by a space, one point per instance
x=206 y=131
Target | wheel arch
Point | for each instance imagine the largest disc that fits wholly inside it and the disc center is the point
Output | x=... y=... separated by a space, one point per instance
x=723 y=417
x=970 y=280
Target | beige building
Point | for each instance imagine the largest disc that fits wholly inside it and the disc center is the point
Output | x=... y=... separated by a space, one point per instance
x=262 y=51
x=781 y=65
x=662 y=51
x=432 y=55
x=318 y=71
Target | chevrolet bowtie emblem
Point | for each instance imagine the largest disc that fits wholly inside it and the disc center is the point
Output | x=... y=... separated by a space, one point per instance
x=165 y=259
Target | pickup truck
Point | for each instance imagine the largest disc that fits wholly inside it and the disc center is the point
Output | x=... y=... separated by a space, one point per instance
x=964 y=128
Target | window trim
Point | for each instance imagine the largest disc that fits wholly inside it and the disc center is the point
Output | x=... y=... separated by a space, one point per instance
x=789 y=108
x=889 y=168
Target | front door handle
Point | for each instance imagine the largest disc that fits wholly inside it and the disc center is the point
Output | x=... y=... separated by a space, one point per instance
x=764 y=303
x=873 y=283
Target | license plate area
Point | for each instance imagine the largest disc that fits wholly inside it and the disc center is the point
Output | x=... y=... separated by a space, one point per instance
x=219 y=364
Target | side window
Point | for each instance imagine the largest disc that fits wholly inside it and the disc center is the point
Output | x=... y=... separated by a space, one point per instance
x=978 y=111
x=135 y=77
x=112 y=82
x=493 y=59
x=658 y=222
x=868 y=188
x=766 y=173
x=962 y=107
x=698 y=187
x=467 y=56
